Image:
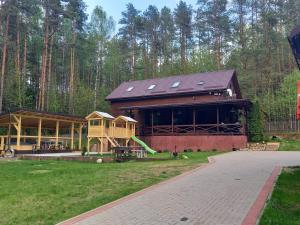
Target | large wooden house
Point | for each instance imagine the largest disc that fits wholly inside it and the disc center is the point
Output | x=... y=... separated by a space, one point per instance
x=202 y=111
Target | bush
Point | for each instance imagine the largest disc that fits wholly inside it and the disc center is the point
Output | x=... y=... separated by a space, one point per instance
x=255 y=123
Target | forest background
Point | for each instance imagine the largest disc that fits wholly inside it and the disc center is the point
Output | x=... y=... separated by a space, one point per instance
x=53 y=58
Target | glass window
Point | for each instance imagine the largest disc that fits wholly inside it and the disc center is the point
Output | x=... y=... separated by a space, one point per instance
x=175 y=84
x=152 y=86
x=130 y=88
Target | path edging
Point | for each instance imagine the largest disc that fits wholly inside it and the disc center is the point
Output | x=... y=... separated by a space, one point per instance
x=112 y=204
x=257 y=207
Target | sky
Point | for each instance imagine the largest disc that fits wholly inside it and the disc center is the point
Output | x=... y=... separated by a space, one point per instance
x=115 y=7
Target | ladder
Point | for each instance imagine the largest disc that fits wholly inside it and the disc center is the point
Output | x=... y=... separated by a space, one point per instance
x=113 y=141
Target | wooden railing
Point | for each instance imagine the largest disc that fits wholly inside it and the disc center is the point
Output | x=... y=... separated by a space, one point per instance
x=199 y=129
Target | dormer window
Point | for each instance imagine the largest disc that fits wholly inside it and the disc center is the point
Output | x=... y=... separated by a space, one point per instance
x=130 y=88
x=200 y=82
x=175 y=84
x=152 y=86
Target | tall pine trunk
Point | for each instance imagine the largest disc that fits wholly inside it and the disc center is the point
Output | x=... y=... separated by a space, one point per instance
x=72 y=71
x=18 y=67
x=44 y=66
x=49 y=69
x=4 y=51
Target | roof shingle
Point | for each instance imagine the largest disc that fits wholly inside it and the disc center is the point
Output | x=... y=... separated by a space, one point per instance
x=199 y=82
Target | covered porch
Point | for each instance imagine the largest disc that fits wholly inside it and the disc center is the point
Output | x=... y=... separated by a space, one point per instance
x=217 y=118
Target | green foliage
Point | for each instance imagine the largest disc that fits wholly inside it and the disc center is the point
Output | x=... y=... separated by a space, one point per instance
x=255 y=123
x=246 y=35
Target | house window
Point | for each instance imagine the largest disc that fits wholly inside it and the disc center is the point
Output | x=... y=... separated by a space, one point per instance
x=175 y=84
x=130 y=88
x=152 y=86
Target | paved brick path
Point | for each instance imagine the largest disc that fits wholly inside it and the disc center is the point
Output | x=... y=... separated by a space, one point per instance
x=219 y=194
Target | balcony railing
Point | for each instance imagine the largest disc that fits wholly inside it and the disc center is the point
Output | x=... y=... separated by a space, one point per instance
x=198 y=129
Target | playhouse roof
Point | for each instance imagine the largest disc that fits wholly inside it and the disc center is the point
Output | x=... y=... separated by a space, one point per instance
x=174 y=85
x=100 y=114
x=127 y=118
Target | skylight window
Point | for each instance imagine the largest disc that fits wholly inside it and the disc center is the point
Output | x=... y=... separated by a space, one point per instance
x=152 y=86
x=200 y=82
x=175 y=84
x=130 y=88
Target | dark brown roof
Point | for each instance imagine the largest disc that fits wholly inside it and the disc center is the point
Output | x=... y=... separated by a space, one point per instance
x=241 y=102
x=199 y=82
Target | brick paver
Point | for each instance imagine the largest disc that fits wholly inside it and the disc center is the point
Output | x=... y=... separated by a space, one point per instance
x=219 y=194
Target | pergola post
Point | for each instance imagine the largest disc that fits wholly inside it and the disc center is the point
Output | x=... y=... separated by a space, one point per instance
x=19 y=122
x=2 y=143
x=57 y=133
x=72 y=136
x=80 y=135
x=39 y=133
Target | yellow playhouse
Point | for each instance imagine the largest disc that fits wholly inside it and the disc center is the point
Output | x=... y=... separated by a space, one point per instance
x=109 y=131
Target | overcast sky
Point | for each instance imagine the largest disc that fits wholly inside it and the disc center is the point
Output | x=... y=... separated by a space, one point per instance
x=115 y=7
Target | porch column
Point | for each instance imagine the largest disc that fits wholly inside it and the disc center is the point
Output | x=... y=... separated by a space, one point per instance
x=80 y=135
x=39 y=133
x=57 y=133
x=194 y=120
x=172 y=121
x=19 y=122
x=218 y=119
x=152 y=122
x=72 y=136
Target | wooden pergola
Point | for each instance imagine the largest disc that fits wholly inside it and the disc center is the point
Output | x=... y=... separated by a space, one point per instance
x=24 y=130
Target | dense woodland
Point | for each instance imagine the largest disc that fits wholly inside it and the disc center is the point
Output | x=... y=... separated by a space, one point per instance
x=54 y=57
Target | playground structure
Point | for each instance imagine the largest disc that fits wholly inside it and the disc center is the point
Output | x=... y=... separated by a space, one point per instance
x=111 y=132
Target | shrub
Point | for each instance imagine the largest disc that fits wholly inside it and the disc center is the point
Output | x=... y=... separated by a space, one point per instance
x=255 y=123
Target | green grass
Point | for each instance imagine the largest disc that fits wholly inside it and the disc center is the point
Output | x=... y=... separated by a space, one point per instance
x=47 y=192
x=289 y=145
x=284 y=206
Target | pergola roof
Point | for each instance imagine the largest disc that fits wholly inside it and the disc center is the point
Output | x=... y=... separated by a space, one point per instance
x=47 y=117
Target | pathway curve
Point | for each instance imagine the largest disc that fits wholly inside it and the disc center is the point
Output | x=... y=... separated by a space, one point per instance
x=219 y=194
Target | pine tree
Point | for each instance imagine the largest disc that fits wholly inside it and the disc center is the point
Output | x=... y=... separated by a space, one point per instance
x=183 y=20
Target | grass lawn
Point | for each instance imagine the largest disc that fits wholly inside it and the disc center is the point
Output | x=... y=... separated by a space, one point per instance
x=47 y=192
x=289 y=145
x=284 y=206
